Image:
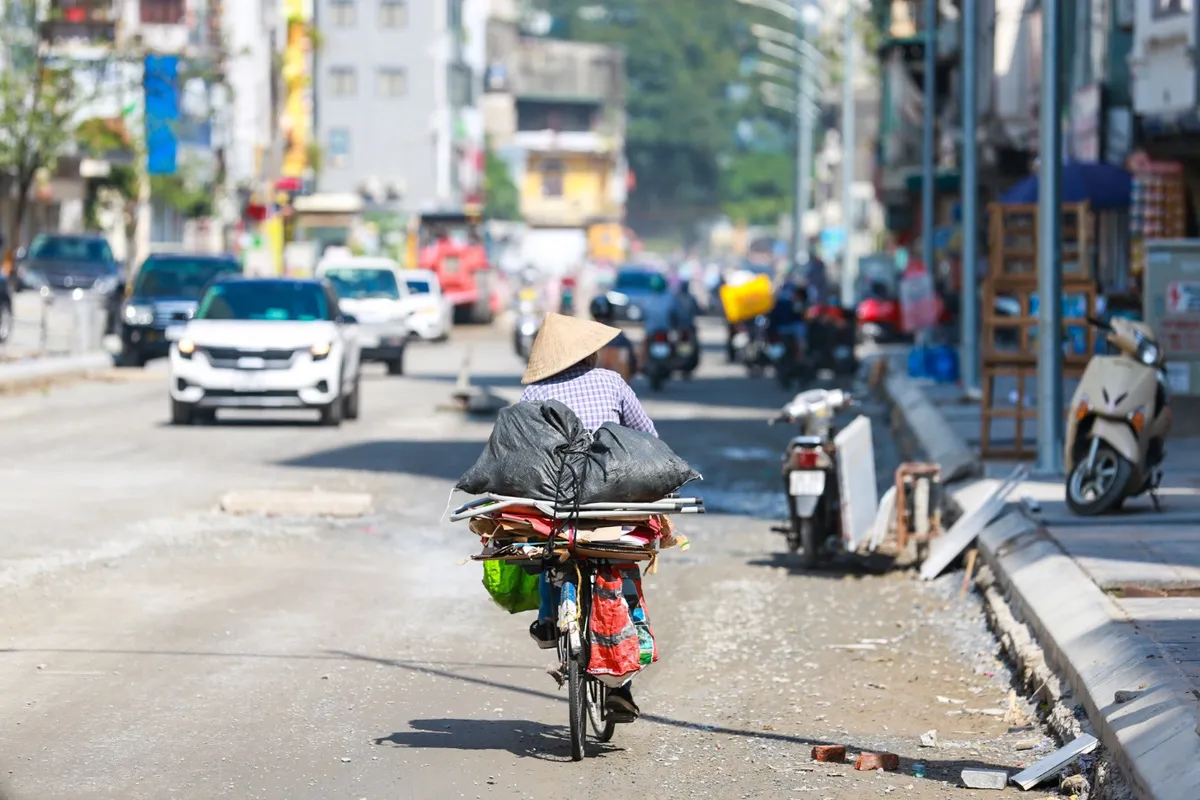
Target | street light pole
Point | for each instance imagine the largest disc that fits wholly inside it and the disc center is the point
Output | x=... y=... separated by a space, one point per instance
x=928 y=174
x=802 y=165
x=849 y=151
x=969 y=291
x=1050 y=276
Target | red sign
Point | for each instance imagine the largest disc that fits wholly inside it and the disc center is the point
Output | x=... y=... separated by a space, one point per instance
x=1180 y=336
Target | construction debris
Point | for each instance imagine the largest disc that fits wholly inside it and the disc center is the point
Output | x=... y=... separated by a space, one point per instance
x=829 y=753
x=929 y=739
x=1055 y=762
x=873 y=761
x=984 y=778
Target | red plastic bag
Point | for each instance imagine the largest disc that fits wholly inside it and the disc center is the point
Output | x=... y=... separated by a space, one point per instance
x=622 y=640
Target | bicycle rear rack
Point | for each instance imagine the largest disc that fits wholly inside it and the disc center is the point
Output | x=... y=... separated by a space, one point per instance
x=491 y=503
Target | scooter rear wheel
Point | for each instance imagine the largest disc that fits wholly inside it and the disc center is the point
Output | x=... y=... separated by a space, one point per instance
x=1101 y=488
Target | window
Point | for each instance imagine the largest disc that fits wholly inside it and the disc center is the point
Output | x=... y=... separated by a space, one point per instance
x=342 y=12
x=354 y=283
x=552 y=179
x=391 y=82
x=392 y=13
x=1171 y=8
x=162 y=12
x=179 y=277
x=343 y=81
x=339 y=146
x=276 y=301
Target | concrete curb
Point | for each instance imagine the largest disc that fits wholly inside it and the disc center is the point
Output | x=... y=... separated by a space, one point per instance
x=934 y=436
x=19 y=373
x=1084 y=635
x=1087 y=639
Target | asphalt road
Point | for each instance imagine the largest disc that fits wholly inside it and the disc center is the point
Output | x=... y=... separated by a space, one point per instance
x=152 y=647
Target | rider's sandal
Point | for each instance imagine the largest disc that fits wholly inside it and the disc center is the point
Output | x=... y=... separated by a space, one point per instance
x=541 y=629
x=620 y=709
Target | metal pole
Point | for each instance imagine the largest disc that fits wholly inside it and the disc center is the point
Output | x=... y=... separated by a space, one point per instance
x=849 y=150
x=801 y=203
x=969 y=291
x=805 y=74
x=928 y=174
x=1050 y=276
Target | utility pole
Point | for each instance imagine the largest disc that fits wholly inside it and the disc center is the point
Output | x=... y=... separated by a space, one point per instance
x=802 y=129
x=849 y=151
x=969 y=290
x=1050 y=275
x=928 y=172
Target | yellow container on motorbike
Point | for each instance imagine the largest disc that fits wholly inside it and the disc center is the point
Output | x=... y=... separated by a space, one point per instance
x=748 y=300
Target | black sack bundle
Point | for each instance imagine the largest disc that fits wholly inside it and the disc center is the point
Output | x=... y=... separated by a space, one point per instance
x=525 y=455
x=542 y=451
x=629 y=466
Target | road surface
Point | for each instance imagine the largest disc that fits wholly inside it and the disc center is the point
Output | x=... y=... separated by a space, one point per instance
x=152 y=647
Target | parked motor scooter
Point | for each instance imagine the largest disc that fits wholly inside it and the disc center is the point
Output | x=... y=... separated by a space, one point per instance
x=810 y=476
x=660 y=356
x=1118 y=422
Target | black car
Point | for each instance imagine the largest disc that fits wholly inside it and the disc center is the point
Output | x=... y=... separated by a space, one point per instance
x=62 y=264
x=164 y=293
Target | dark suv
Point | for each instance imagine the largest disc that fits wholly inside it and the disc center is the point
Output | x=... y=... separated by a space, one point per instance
x=62 y=264
x=164 y=293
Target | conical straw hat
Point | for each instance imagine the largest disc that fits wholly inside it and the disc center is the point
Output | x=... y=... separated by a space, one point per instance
x=564 y=342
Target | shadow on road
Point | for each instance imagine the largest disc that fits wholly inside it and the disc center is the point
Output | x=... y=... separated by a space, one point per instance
x=522 y=738
x=442 y=733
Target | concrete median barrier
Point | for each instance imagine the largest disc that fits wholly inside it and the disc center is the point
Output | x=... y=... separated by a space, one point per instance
x=34 y=371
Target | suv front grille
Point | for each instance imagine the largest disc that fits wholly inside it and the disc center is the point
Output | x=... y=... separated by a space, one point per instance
x=227 y=357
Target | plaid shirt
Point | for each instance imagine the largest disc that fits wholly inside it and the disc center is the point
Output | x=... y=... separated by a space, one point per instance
x=595 y=395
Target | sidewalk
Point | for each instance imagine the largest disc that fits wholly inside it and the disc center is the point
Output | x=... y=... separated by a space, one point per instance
x=1107 y=598
x=62 y=350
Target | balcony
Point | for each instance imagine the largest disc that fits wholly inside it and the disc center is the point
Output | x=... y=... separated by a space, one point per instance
x=573 y=71
x=84 y=21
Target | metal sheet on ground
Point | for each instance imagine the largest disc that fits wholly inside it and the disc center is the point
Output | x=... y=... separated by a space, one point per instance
x=968 y=526
x=856 y=478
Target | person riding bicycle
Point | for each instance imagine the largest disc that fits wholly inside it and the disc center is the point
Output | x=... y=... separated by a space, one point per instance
x=563 y=367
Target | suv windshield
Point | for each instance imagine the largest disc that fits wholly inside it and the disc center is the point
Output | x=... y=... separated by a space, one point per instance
x=418 y=285
x=265 y=300
x=355 y=283
x=637 y=280
x=179 y=277
x=67 y=248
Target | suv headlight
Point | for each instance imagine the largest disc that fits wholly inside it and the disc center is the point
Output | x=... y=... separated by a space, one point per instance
x=138 y=314
x=1148 y=353
x=105 y=285
x=320 y=351
x=31 y=277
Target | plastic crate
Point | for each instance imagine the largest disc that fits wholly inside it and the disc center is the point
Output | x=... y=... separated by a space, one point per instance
x=748 y=300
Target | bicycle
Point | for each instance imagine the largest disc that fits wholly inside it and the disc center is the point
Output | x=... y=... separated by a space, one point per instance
x=585 y=693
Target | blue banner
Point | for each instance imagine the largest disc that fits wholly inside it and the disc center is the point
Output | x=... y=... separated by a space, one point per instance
x=160 y=82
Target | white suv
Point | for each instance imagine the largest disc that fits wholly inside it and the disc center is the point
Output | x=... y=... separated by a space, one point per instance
x=370 y=288
x=266 y=343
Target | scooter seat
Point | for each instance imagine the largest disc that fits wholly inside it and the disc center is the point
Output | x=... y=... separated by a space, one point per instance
x=807 y=441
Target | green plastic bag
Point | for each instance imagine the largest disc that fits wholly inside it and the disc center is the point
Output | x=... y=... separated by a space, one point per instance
x=513 y=589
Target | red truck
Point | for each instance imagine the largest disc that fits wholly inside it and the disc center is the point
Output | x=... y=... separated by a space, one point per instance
x=450 y=244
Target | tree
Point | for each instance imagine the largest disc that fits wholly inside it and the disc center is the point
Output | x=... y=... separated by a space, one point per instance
x=681 y=58
x=501 y=199
x=38 y=101
x=757 y=187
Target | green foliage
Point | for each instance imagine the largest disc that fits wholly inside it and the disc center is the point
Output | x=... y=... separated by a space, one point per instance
x=757 y=187
x=37 y=102
x=502 y=199
x=176 y=191
x=681 y=58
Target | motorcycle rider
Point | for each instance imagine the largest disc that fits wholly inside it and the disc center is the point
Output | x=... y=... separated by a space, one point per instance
x=621 y=348
x=563 y=367
x=661 y=312
x=787 y=317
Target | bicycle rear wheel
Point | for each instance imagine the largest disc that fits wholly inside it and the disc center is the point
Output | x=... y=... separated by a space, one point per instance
x=597 y=693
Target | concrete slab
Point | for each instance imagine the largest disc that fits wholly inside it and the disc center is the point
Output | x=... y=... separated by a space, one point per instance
x=18 y=373
x=284 y=503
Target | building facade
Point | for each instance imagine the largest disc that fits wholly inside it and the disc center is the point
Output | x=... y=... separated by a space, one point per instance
x=554 y=111
x=391 y=82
